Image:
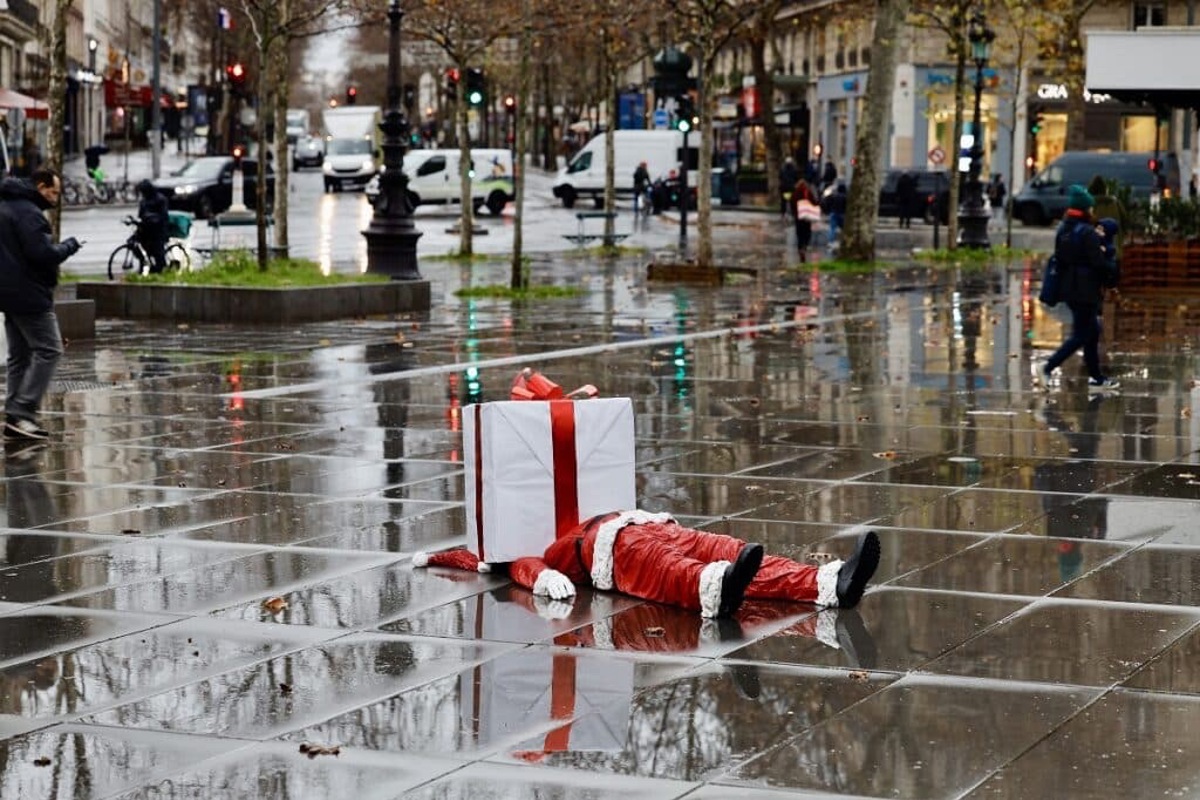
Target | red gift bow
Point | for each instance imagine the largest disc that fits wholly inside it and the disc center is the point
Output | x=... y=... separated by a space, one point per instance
x=533 y=385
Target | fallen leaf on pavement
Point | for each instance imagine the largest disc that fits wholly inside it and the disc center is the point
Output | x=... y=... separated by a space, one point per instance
x=285 y=688
x=275 y=604
x=41 y=762
x=860 y=676
x=888 y=454
x=314 y=750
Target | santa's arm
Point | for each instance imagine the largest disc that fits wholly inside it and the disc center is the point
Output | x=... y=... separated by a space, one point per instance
x=537 y=577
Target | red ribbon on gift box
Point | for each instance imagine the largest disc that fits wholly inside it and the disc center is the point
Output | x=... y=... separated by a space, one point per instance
x=532 y=385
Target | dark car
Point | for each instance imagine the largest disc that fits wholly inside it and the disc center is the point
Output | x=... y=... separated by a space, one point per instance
x=309 y=152
x=204 y=186
x=931 y=185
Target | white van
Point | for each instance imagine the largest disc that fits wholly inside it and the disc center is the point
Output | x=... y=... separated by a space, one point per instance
x=351 y=146
x=433 y=178
x=584 y=174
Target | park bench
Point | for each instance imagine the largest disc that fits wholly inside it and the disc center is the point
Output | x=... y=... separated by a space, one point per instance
x=582 y=237
x=233 y=219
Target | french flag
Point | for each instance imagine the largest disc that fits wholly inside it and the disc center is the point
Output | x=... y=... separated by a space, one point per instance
x=224 y=19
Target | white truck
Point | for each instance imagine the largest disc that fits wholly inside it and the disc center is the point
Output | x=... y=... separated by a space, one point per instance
x=584 y=174
x=297 y=124
x=351 y=147
x=433 y=178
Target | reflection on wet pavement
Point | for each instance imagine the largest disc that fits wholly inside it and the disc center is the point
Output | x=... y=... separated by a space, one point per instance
x=209 y=564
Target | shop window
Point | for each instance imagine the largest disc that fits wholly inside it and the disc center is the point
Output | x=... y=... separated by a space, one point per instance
x=1141 y=133
x=853 y=58
x=1148 y=15
x=839 y=59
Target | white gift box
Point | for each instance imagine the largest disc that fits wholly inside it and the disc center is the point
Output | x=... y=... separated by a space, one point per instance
x=537 y=468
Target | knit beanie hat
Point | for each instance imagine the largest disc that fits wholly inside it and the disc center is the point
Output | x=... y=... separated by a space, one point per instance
x=1079 y=198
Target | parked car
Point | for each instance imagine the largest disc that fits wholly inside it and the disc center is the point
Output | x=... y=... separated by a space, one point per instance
x=930 y=184
x=309 y=152
x=204 y=186
x=1043 y=200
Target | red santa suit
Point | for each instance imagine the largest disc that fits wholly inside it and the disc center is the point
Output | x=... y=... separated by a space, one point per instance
x=653 y=557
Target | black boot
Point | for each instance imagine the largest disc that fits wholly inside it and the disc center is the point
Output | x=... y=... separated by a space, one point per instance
x=857 y=570
x=737 y=577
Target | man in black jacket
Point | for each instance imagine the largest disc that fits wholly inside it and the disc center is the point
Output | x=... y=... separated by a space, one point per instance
x=29 y=262
x=152 y=225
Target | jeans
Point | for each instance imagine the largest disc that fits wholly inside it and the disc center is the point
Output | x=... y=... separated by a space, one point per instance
x=1085 y=333
x=34 y=347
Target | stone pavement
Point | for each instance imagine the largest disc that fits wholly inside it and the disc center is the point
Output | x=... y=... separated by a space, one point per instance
x=1034 y=629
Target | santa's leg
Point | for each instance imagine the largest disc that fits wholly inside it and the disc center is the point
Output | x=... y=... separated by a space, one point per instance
x=838 y=583
x=647 y=566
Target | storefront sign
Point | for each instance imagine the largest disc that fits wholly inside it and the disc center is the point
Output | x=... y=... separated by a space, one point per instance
x=1058 y=91
x=750 y=101
x=124 y=94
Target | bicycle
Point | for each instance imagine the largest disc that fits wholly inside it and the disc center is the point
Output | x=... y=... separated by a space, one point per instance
x=132 y=256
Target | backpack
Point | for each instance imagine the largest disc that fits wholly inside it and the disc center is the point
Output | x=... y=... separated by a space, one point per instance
x=1051 y=293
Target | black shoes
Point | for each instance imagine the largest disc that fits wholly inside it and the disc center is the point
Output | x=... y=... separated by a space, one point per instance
x=24 y=429
x=857 y=570
x=737 y=577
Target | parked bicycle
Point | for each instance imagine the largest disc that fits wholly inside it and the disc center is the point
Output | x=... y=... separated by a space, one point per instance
x=131 y=257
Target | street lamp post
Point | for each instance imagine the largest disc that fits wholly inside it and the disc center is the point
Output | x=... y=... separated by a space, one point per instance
x=392 y=235
x=973 y=213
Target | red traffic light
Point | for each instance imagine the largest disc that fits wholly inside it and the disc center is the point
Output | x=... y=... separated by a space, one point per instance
x=452 y=75
x=236 y=72
x=238 y=152
x=1153 y=164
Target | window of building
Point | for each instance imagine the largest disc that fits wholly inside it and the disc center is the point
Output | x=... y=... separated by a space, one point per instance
x=1149 y=15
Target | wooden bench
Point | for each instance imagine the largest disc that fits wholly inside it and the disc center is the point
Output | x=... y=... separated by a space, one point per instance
x=583 y=237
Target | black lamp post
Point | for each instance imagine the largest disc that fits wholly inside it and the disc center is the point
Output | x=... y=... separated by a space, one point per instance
x=973 y=212
x=392 y=236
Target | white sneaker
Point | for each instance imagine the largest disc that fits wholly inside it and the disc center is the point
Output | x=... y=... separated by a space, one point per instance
x=1103 y=385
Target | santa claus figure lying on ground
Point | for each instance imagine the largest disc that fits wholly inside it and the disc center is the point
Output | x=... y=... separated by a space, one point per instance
x=653 y=557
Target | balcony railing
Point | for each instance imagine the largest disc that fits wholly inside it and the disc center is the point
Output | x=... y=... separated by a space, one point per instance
x=24 y=11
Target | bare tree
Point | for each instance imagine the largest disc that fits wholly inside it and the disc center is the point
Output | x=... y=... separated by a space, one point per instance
x=862 y=210
x=1061 y=44
x=57 y=90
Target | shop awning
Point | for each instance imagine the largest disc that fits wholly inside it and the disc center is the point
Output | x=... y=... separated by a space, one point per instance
x=1149 y=65
x=32 y=107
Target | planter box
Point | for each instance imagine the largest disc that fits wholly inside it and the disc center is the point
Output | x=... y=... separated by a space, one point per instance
x=1158 y=266
x=246 y=305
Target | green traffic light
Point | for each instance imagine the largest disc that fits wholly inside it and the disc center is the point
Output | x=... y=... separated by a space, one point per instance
x=684 y=125
x=475 y=98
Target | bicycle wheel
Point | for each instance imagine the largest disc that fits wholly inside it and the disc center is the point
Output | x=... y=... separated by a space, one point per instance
x=125 y=258
x=178 y=258
x=104 y=193
x=70 y=194
x=129 y=192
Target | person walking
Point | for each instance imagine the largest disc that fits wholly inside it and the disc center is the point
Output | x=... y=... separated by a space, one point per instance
x=152 y=225
x=641 y=182
x=29 y=267
x=789 y=173
x=836 y=208
x=1086 y=270
x=806 y=210
x=906 y=197
x=996 y=193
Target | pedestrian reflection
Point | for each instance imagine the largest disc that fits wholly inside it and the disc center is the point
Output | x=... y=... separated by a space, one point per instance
x=29 y=503
x=1072 y=511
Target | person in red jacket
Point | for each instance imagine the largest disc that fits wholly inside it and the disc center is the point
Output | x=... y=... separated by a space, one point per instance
x=653 y=557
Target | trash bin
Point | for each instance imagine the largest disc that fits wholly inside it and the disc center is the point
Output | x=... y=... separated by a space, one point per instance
x=724 y=187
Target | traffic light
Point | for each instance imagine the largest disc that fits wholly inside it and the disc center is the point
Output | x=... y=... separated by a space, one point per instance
x=236 y=74
x=476 y=87
x=685 y=112
x=1036 y=117
x=451 y=86
x=239 y=151
x=1154 y=164
x=510 y=104
x=351 y=95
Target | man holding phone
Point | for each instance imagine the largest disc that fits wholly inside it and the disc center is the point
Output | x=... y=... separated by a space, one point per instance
x=29 y=269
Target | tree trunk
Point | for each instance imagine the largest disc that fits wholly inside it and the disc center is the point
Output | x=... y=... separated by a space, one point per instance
x=279 y=91
x=518 y=278
x=1073 y=77
x=263 y=94
x=862 y=210
x=466 y=219
x=704 y=240
x=960 y=77
x=56 y=95
x=764 y=79
x=608 y=84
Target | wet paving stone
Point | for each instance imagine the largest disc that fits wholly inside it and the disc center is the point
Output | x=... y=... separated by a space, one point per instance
x=789 y=539
x=321 y=682
x=94 y=762
x=280 y=771
x=511 y=614
x=1128 y=744
x=78 y=681
x=943 y=470
x=499 y=782
x=500 y=703
x=830 y=464
x=394 y=526
x=369 y=597
x=1043 y=643
x=882 y=631
x=1022 y=565
x=257 y=576
x=705 y=722
x=711 y=496
x=904 y=551
x=40 y=630
x=1176 y=669
x=28 y=548
x=116 y=565
x=935 y=739
x=1151 y=574
x=721 y=459
x=857 y=503
x=974 y=510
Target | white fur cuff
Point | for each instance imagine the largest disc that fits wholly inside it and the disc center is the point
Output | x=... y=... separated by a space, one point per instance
x=827 y=578
x=606 y=539
x=827 y=629
x=712 y=578
x=483 y=567
x=420 y=559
